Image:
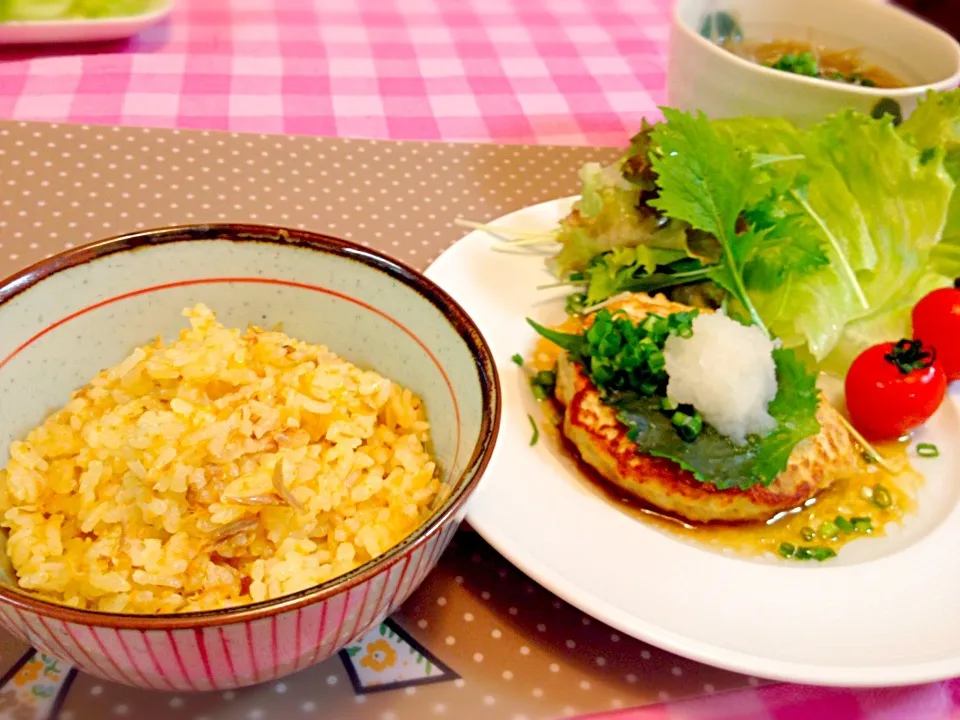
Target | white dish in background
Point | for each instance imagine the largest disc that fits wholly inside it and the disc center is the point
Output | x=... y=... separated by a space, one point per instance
x=703 y=76
x=81 y=30
x=882 y=613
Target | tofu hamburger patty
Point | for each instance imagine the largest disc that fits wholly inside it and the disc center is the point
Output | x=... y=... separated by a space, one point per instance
x=602 y=442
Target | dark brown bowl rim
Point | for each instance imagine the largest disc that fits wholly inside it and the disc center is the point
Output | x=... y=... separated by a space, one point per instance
x=319 y=242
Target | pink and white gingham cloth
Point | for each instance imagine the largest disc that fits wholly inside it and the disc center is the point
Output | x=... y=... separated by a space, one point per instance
x=517 y=71
x=508 y=71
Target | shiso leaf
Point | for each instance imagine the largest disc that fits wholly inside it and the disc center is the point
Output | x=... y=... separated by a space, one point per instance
x=715 y=459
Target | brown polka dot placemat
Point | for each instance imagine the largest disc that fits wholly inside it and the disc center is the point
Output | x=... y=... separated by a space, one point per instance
x=478 y=639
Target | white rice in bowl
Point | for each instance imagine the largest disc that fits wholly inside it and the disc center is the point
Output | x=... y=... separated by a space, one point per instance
x=226 y=468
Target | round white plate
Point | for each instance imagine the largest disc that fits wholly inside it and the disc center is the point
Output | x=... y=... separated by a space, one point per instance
x=886 y=611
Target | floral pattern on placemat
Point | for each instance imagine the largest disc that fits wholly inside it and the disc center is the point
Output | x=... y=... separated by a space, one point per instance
x=34 y=687
x=387 y=658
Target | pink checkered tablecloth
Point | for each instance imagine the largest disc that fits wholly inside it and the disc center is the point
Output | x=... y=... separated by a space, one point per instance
x=517 y=71
x=506 y=71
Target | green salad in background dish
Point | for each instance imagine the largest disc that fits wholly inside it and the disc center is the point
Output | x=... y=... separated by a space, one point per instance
x=46 y=10
x=825 y=237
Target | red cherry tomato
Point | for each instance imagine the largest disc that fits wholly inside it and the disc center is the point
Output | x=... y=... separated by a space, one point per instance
x=936 y=321
x=893 y=388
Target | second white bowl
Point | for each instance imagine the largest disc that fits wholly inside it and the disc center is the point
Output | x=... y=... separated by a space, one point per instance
x=703 y=76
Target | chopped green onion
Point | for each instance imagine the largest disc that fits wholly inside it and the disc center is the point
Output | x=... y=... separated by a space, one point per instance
x=647 y=389
x=576 y=303
x=536 y=431
x=805 y=552
x=843 y=524
x=928 y=450
x=688 y=426
x=668 y=405
x=786 y=549
x=823 y=553
x=651 y=325
x=808 y=533
x=818 y=553
x=543 y=384
x=881 y=497
x=800 y=64
x=657 y=362
x=862 y=524
x=681 y=323
x=829 y=530
x=517 y=360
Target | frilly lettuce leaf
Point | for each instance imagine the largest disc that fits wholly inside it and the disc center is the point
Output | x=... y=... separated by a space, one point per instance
x=606 y=217
x=879 y=209
x=608 y=273
x=890 y=322
x=840 y=224
x=841 y=227
x=935 y=124
x=776 y=147
x=906 y=247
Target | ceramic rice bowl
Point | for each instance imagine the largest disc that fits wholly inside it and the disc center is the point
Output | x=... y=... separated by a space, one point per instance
x=76 y=313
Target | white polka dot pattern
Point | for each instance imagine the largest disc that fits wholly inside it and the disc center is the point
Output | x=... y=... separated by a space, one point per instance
x=399 y=197
x=536 y=673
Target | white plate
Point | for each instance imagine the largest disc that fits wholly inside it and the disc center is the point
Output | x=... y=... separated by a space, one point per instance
x=884 y=612
x=73 y=31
